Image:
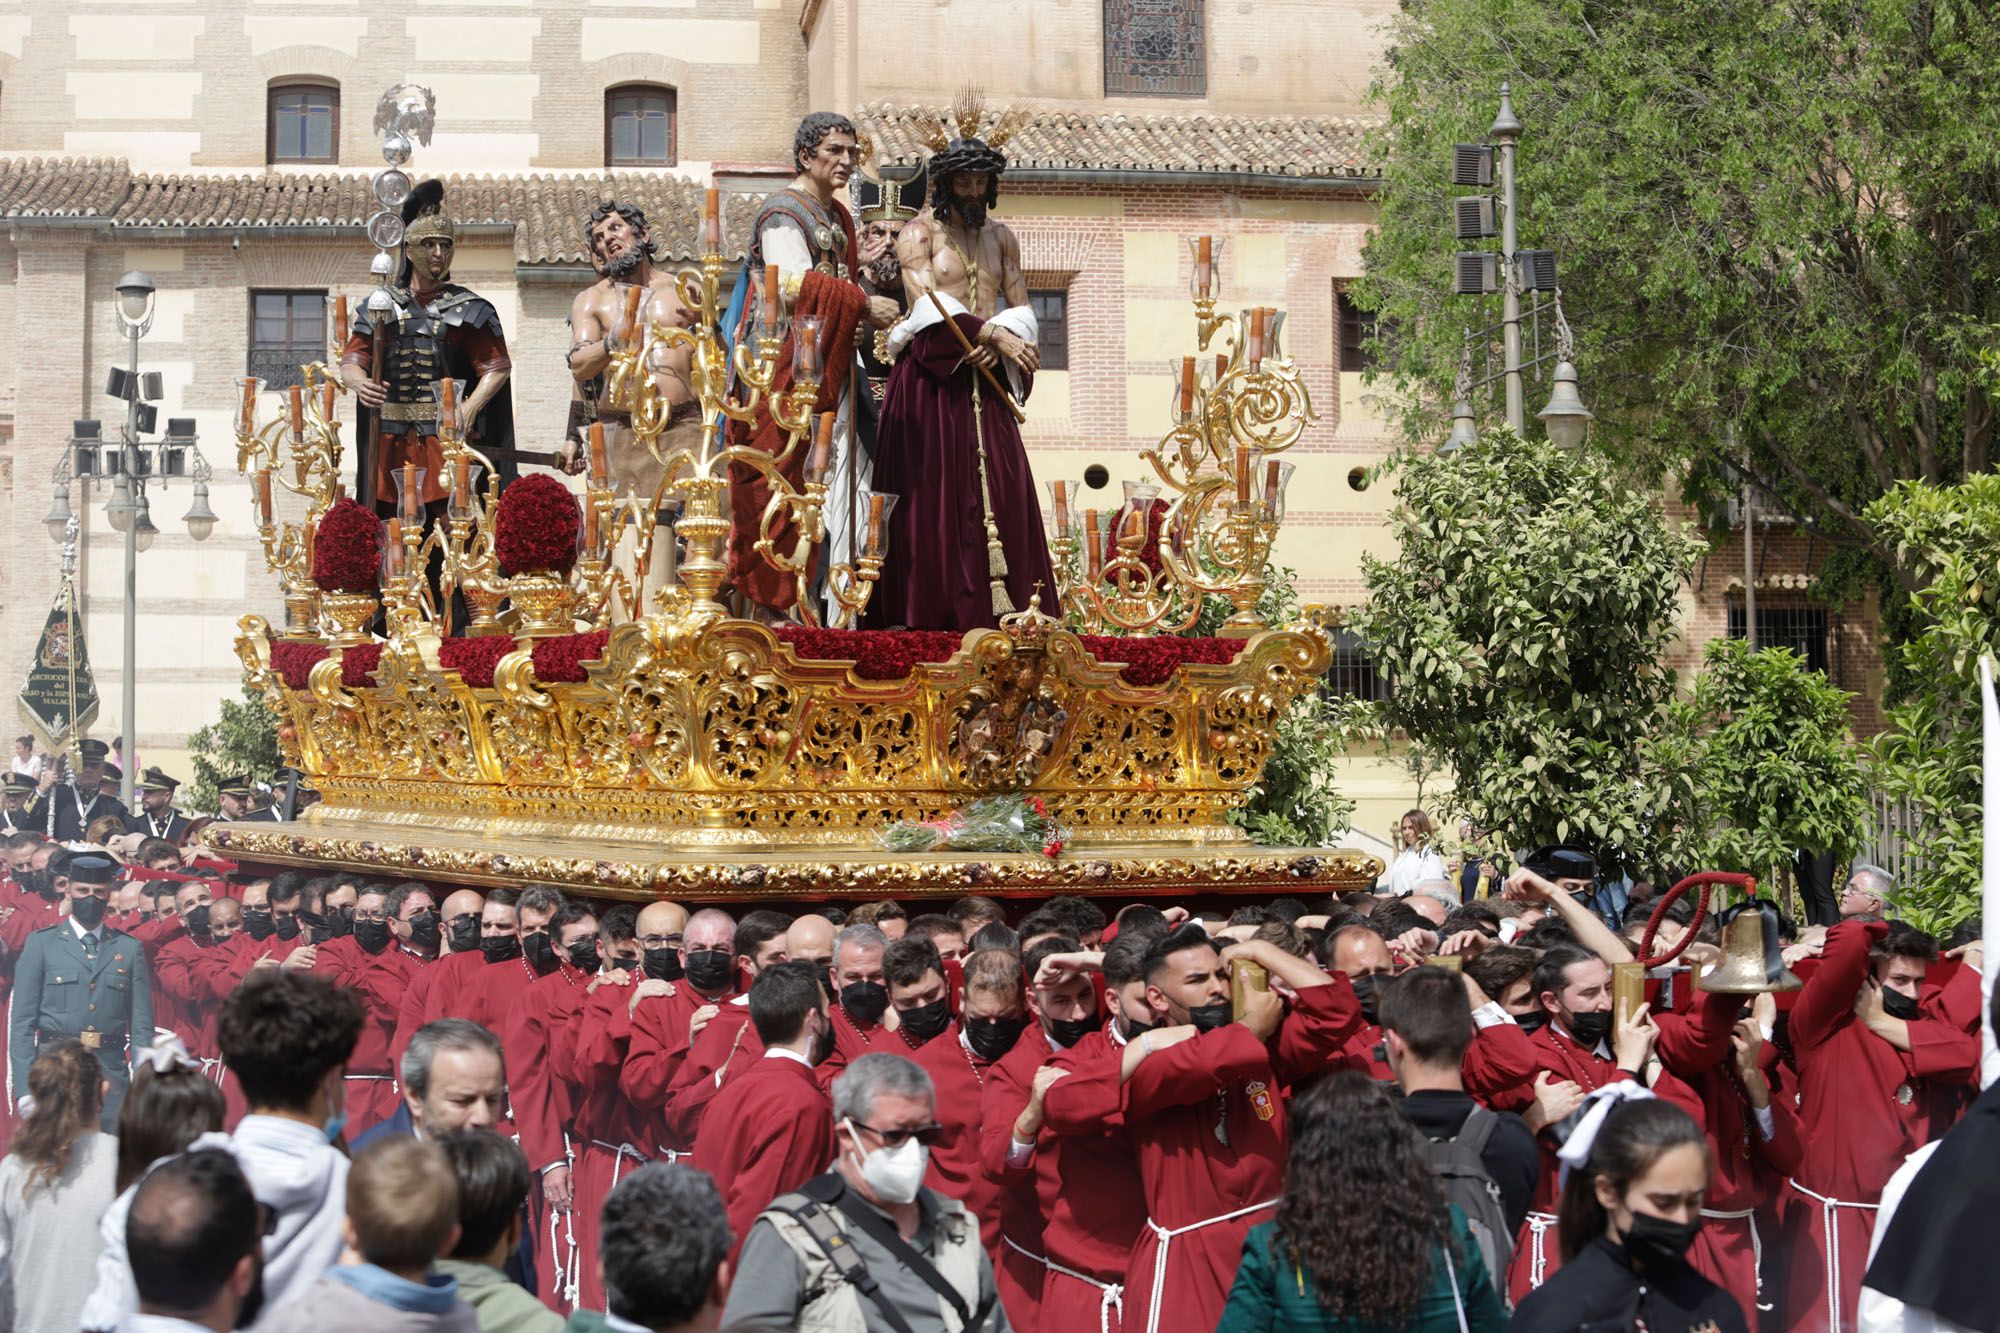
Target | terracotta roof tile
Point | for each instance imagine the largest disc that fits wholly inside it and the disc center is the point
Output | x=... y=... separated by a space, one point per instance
x=1286 y=147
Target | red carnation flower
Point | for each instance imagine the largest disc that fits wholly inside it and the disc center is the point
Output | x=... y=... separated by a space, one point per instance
x=347 y=550
x=535 y=527
x=475 y=659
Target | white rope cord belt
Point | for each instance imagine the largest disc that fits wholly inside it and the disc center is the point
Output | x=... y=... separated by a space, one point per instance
x=1538 y=1247
x=1756 y=1243
x=569 y=1270
x=212 y=1067
x=1166 y=1241
x=619 y=1152
x=1112 y=1293
x=1827 y=1208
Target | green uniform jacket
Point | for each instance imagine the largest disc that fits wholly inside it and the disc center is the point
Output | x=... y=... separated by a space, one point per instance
x=58 y=993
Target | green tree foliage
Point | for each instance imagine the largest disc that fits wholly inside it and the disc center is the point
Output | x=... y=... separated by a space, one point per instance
x=1774 y=771
x=1930 y=753
x=243 y=740
x=1295 y=802
x=1778 y=229
x=1525 y=618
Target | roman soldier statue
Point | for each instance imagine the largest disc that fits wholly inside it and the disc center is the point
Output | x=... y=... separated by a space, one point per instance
x=808 y=233
x=433 y=329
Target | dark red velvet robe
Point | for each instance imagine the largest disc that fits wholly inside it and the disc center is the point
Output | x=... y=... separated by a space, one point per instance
x=935 y=574
x=379 y=982
x=768 y=1132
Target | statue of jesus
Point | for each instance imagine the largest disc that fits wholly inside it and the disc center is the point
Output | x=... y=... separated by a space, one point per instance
x=965 y=541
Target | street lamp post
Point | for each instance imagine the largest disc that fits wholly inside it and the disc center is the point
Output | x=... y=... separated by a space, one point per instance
x=1510 y=272
x=135 y=461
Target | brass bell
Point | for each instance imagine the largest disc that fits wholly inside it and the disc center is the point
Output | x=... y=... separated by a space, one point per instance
x=1750 y=958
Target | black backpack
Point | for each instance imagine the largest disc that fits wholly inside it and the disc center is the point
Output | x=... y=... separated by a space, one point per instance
x=1461 y=1168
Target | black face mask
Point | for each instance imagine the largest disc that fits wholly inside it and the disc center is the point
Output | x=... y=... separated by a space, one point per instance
x=89 y=912
x=1209 y=1017
x=1898 y=1005
x=372 y=936
x=287 y=927
x=926 y=1020
x=500 y=948
x=425 y=931
x=1590 y=1029
x=1067 y=1032
x=339 y=922
x=583 y=955
x=196 y=920
x=624 y=962
x=710 y=969
x=1655 y=1243
x=464 y=932
x=991 y=1038
x=822 y=1047
x=1131 y=1029
x=38 y=882
x=1365 y=990
x=316 y=927
x=257 y=923
x=662 y=964
x=540 y=952
x=865 y=1001
x=825 y=971
x=1532 y=1020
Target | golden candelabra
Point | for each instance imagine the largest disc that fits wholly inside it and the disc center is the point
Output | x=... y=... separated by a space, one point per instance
x=310 y=432
x=699 y=479
x=1233 y=417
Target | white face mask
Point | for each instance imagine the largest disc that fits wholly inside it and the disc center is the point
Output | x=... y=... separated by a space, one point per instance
x=893 y=1174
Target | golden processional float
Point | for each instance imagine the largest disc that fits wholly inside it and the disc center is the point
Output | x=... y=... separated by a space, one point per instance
x=596 y=718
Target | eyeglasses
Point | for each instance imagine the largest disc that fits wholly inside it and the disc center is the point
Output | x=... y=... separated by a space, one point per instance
x=377 y=915
x=659 y=941
x=928 y=1135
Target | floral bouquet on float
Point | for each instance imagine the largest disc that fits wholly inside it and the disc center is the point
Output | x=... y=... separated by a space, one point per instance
x=1012 y=823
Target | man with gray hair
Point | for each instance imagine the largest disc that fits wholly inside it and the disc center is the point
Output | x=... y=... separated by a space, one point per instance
x=866 y=1245
x=860 y=987
x=1870 y=891
x=452 y=1077
x=1433 y=900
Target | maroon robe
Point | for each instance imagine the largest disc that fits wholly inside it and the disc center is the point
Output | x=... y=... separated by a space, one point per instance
x=768 y=1132
x=1204 y=1193
x=1087 y=1174
x=658 y=1046
x=378 y=981
x=959 y=1078
x=1865 y=1107
x=727 y=1045
x=437 y=991
x=612 y=1136
x=935 y=573
x=851 y=1041
x=538 y=1023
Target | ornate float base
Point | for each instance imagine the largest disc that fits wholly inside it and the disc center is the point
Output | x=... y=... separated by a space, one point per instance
x=587 y=862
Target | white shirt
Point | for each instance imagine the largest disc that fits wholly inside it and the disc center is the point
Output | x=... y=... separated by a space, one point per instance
x=82 y=934
x=32 y=766
x=159 y=1323
x=785 y=1053
x=1412 y=866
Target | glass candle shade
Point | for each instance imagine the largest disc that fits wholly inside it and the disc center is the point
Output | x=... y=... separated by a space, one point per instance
x=881 y=504
x=806 y=364
x=1205 y=263
x=410 y=493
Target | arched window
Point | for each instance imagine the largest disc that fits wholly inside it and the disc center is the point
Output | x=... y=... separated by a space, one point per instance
x=303 y=123
x=639 y=126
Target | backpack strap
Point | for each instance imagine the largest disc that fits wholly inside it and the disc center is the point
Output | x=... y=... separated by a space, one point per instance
x=808 y=1207
x=1477 y=1131
x=884 y=1234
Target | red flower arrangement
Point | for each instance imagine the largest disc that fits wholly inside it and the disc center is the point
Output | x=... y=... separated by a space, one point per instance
x=559 y=660
x=294 y=663
x=535 y=527
x=475 y=659
x=895 y=654
x=1151 y=661
x=347 y=549
x=876 y=654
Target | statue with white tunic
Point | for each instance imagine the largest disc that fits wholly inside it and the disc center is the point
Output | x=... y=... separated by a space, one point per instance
x=965 y=543
x=806 y=232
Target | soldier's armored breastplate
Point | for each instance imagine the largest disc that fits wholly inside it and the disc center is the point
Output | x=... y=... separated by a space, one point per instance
x=411 y=369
